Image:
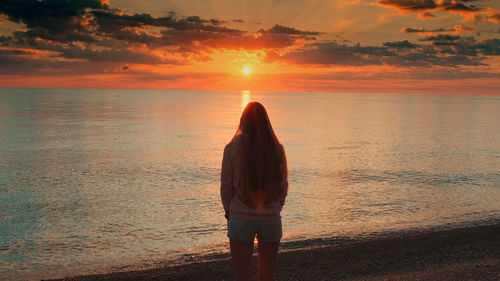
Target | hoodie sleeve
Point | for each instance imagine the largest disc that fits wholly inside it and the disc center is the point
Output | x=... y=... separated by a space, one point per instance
x=226 y=181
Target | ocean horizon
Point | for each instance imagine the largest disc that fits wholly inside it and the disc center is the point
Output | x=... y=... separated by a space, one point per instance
x=100 y=180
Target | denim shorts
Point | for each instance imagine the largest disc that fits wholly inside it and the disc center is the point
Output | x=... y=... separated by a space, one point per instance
x=245 y=231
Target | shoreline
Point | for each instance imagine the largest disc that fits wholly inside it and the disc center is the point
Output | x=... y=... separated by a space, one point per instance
x=471 y=253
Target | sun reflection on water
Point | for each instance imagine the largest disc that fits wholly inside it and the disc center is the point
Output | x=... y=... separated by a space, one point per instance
x=245 y=99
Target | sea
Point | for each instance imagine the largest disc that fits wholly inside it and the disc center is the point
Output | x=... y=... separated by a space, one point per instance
x=101 y=180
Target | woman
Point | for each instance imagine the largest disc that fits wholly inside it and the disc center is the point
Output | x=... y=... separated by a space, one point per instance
x=253 y=189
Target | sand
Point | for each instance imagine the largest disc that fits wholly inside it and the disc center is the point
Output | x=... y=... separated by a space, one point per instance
x=461 y=254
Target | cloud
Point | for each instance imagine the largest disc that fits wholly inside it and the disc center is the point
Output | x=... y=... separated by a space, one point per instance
x=199 y=40
x=90 y=30
x=410 y=5
x=442 y=39
x=332 y=53
x=438 y=50
x=193 y=34
x=467 y=46
x=5 y=40
x=489 y=46
x=111 y=21
x=280 y=29
x=34 y=63
x=493 y=16
x=35 y=13
x=426 y=15
x=93 y=21
x=423 y=7
x=457 y=28
x=99 y=53
x=4 y=52
x=453 y=5
x=462 y=28
x=423 y=74
x=420 y=30
x=60 y=20
x=400 y=44
x=111 y=55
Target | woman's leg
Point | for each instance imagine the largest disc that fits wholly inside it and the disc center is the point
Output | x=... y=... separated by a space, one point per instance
x=268 y=252
x=241 y=253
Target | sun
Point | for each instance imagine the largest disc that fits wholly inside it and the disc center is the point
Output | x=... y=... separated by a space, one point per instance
x=246 y=70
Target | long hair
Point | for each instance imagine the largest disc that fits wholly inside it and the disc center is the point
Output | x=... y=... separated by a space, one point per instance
x=263 y=158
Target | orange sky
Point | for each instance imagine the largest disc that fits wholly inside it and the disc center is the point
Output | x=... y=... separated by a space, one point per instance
x=402 y=46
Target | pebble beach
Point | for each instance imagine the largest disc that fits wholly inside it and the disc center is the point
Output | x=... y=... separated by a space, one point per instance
x=460 y=254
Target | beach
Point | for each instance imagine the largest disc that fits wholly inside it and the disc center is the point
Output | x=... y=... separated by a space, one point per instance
x=459 y=254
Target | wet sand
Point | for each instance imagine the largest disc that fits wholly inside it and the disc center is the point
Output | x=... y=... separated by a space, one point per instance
x=460 y=254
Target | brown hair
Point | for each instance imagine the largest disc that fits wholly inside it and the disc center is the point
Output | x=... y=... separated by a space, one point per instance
x=263 y=158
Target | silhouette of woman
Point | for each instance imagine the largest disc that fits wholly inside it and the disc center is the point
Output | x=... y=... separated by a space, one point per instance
x=254 y=185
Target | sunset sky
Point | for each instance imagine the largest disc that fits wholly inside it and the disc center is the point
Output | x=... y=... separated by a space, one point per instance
x=401 y=46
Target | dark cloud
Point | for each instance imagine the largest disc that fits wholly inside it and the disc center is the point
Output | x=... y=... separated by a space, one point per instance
x=400 y=44
x=239 y=20
x=12 y=52
x=456 y=28
x=59 y=20
x=280 y=29
x=27 y=64
x=276 y=37
x=86 y=52
x=426 y=15
x=424 y=6
x=92 y=31
x=216 y=22
x=61 y=37
x=45 y=13
x=462 y=28
x=466 y=46
x=5 y=40
x=493 y=17
x=109 y=21
x=422 y=58
x=453 y=5
x=111 y=55
x=489 y=47
x=20 y=65
x=91 y=21
x=198 y=41
x=411 y=5
x=131 y=37
x=442 y=39
x=453 y=45
x=194 y=34
x=420 y=29
x=440 y=50
x=149 y=77
x=332 y=53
